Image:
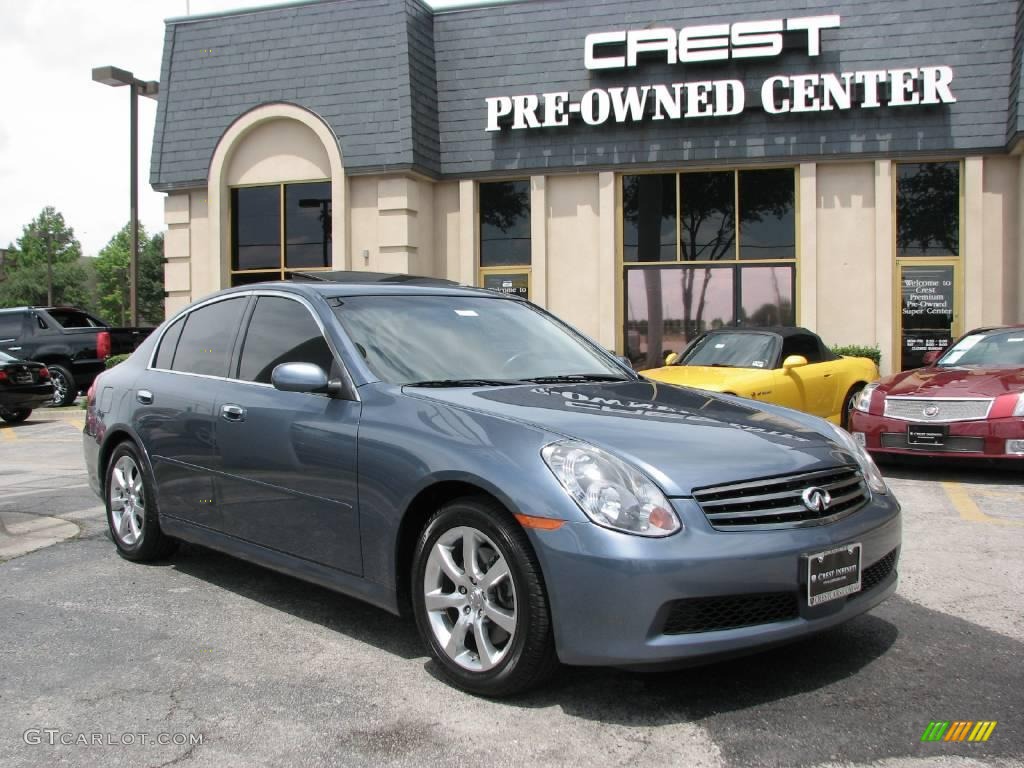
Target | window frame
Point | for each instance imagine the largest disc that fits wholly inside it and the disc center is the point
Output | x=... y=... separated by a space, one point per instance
x=526 y=269
x=281 y=271
x=349 y=391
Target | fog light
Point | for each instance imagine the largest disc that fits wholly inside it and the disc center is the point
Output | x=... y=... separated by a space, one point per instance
x=861 y=439
x=1015 y=447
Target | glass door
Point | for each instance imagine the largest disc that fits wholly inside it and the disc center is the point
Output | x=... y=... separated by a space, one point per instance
x=929 y=316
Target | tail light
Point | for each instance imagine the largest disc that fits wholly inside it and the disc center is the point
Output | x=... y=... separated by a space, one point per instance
x=103 y=345
x=3 y=377
x=90 y=397
x=44 y=372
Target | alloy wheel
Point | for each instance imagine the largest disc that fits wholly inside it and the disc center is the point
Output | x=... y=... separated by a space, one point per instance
x=470 y=598
x=60 y=388
x=127 y=501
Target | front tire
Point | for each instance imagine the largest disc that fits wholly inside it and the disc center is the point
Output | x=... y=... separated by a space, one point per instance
x=16 y=415
x=65 y=391
x=131 y=507
x=480 y=602
x=844 y=418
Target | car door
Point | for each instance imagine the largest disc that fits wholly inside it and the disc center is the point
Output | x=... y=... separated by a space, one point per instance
x=288 y=459
x=810 y=388
x=174 y=403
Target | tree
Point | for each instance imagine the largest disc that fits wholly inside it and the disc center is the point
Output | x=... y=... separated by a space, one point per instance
x=112 y=273
x=43 y=259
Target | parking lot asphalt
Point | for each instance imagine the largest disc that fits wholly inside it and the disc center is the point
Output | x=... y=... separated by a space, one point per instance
x=267 y=670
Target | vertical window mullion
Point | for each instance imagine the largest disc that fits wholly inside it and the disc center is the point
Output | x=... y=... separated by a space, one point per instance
x=280 y=202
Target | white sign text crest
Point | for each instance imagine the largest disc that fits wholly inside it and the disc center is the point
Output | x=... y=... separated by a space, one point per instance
x=779 y=94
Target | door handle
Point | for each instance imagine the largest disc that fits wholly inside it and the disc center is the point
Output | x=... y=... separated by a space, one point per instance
x=144 y=396
x=232 y=412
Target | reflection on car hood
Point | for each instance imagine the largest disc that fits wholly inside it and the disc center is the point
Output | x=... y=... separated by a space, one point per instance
x=716 y=379
x=955 y=382
x=682 y=438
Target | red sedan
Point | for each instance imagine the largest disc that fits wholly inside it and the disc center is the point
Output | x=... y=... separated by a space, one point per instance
x=968 y=402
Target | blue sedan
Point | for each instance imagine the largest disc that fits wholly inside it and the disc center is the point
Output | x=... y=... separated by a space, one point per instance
x=464 y=456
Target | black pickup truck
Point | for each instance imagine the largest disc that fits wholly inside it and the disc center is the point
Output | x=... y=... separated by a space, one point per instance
x=72 y=343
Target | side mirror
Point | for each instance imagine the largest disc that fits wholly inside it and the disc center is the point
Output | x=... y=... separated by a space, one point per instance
x=932 y=357
x=794 y=361
x=303 y=377
x=671 y=358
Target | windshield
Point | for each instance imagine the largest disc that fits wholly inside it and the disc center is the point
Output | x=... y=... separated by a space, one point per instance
x=995 y=349
x=411 y=339
x=732 y=350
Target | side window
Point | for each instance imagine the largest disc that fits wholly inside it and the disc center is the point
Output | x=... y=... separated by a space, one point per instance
x=802 y=345
x=10 y=325
x=165 y=355
x=281 y=331
x=205 y=343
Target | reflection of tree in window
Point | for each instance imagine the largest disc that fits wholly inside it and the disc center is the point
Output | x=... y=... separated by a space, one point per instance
x=707 y=228
x=649 y=217
x=928 y=209
x=504 y=223
x=767 y=223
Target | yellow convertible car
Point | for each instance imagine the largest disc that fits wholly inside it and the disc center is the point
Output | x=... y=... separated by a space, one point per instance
x=785 y=366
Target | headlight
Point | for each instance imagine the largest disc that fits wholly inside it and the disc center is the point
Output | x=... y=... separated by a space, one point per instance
x=1018 y=410
x=863 y=400
x=609 y=491
x=867 y=465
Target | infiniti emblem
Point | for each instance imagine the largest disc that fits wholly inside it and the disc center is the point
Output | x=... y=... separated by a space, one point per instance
x=931 y=410
x=816 y=499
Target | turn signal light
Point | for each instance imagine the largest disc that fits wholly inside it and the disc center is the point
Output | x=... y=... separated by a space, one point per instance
x=103 y=345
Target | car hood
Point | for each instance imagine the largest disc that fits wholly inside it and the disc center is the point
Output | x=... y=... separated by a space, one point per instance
x=681 y=438
x=967 y=381
x=715 y=379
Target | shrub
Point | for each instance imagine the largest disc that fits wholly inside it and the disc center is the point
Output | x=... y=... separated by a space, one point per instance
x=855 y=350
x=115 y=359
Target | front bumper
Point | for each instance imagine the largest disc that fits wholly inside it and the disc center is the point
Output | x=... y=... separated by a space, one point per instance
x=612 y=594
x=982 y=439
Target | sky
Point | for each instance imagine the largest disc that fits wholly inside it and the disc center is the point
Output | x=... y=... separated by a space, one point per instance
x=64 y=140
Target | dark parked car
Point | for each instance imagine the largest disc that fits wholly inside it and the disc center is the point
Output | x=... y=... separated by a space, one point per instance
x=73 y=344
x=464 y=454
x=24 y=386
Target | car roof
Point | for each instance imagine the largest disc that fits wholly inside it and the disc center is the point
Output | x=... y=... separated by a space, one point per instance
x=776 y=330
x=341 y=284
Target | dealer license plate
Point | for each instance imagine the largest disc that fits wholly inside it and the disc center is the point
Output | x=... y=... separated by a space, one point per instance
x=927 y=435
x=833 y=574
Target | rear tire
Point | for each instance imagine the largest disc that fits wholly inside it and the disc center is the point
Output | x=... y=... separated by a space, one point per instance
x=132 y=515
x=488 y=623
x=16 y=415
x=844 y=418
x=65 y=391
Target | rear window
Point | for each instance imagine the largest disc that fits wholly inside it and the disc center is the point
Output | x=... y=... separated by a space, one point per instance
x=205 y=343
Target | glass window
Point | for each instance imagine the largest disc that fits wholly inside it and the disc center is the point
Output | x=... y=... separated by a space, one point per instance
x=649 y=217
x=803 y=345
x=205 y=342
x=707 y=225
x=514 y=283
x=408 y=339
x=766 y=296
x=767 y=220
x=928 y=209
x=10 y=325
x=281 y=331
x=669 y=307
x=504 y=223
x=307 y=221
x=165 y=355
x=256 y=228
x=733 y=350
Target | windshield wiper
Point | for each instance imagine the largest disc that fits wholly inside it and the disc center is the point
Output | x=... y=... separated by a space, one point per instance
x=461 y=383
x=570 y=378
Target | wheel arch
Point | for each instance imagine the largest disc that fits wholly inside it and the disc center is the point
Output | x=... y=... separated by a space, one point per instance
x=116 y=435
x=419 y=510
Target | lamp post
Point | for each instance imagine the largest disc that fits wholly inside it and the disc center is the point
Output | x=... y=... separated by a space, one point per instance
x=115 y=77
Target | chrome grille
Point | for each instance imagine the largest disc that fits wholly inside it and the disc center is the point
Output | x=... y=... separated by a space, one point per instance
x=776 y=502
x=926 y=409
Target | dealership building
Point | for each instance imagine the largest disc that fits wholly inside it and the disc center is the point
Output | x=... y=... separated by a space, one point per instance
x=646 y=170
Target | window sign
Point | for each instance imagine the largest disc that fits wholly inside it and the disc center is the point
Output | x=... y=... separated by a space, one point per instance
x=514 y=283
x=926 y=312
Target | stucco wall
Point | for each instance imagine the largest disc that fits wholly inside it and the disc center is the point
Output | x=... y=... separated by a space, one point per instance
x=573 y=269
